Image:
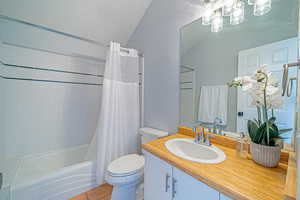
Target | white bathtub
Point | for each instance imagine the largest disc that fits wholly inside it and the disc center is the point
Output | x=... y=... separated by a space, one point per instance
x=56 y=175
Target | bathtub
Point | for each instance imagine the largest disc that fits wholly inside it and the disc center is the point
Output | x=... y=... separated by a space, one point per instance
x=57 y=175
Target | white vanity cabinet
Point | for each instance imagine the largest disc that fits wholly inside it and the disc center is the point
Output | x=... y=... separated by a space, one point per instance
x=157 y=179
x=165 y=182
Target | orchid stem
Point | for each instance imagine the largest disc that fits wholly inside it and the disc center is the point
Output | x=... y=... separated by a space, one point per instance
x=259 y=114
x=266 y=111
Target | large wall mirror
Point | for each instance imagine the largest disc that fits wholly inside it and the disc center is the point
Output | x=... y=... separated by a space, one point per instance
x=209 y=60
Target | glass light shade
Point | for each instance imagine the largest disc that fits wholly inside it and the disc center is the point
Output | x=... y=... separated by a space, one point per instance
x=217 y=22
x=238 y=13
x=227 y=8
x=206 y=18
x=262 y=7
x=251 y=2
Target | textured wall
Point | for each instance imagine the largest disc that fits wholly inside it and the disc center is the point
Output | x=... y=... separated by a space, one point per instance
x=158 y=36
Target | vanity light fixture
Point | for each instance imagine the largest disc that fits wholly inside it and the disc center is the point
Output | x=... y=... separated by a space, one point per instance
x=262 y=7
x=238 y=13
x=217 y=22
x=235 y=9
x=206 y=18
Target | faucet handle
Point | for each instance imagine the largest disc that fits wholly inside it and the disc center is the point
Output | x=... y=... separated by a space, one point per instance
x=207 y=139
x=194 y=129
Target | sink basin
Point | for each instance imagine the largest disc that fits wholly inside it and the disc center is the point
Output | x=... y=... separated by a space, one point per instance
x=189 y=150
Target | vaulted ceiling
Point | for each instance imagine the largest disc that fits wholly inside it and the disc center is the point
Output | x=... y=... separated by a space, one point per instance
x=101 y=20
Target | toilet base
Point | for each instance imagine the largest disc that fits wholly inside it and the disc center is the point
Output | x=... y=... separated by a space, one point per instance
x=127 y=192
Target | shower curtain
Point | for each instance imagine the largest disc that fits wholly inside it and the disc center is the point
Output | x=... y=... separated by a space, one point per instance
x=119 y=120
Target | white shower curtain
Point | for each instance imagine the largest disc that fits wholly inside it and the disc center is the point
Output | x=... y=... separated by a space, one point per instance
x=119 y=120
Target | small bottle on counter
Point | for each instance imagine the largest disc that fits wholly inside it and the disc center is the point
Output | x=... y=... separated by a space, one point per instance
x=242 y=146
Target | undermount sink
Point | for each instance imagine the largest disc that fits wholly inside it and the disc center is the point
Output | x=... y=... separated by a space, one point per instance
x=189 y=150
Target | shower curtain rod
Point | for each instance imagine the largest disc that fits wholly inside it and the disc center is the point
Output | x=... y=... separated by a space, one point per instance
x=52 y=81
x=48 y=81
x=49 y=69
x=61 y=33
x=55 y=52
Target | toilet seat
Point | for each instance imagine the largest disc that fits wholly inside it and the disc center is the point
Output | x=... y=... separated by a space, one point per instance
x=126 y=166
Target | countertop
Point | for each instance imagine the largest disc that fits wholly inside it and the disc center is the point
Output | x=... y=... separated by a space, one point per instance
x=238 y=178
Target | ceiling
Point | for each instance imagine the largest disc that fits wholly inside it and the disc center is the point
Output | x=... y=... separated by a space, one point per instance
x=283 y=16
x=100 y=20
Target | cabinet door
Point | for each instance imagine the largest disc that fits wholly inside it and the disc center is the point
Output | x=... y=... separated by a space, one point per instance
x=223 y=197
x=186 y=187
x=157 y=179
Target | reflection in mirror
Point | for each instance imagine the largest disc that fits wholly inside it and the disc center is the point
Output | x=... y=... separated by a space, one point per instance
x=210 y=60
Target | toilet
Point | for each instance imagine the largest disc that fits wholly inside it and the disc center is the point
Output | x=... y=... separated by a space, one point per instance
x=126 y=173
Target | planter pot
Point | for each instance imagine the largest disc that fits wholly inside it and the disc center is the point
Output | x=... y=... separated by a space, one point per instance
x=265 y=155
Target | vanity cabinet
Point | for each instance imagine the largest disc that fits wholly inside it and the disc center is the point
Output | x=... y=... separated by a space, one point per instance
x=157 y=179
x=165 y=182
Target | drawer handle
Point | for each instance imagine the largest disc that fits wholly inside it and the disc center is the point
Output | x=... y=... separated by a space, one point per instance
x=167 y=186
x=1 y=180
x=174 y=181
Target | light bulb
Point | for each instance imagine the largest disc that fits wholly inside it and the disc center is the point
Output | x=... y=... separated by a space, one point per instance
x=217 y=22
x=227 y=8
x=238 y=13
x=251 y=2
x=206 y=18
x=262 y=7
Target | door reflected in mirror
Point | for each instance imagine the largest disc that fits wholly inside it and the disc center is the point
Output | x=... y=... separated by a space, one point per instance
x=211 y=60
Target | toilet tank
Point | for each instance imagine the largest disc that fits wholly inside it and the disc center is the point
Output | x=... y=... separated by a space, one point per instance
x=150 y=134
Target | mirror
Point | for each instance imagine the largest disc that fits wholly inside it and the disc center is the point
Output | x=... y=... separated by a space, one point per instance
x=209 y=60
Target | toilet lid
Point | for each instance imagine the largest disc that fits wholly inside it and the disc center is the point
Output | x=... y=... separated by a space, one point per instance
x=126 y=165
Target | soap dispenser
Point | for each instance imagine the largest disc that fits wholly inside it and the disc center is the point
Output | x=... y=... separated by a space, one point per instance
x=242 y=146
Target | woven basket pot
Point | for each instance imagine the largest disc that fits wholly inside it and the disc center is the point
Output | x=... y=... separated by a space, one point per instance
x=265 y=155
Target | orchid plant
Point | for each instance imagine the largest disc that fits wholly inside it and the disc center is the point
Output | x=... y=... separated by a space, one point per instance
x=266 y=96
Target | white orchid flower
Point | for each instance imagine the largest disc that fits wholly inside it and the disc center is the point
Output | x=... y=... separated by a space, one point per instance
x=271 y=90
x=246 y=82
x=260 y=84
x=272 y=80
x=275 y=101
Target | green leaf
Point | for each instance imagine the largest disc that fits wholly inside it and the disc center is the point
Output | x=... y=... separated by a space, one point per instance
x=260 y=134
x=262 y=137
x=252 y=128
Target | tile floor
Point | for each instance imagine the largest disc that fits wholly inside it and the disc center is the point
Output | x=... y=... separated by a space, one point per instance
x=102 y=192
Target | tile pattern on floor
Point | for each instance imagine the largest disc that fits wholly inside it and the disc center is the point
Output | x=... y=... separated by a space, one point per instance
x=102 y=192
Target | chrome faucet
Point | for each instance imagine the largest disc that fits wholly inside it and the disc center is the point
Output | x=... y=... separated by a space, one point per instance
x=200 y=137
x=217 y=125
